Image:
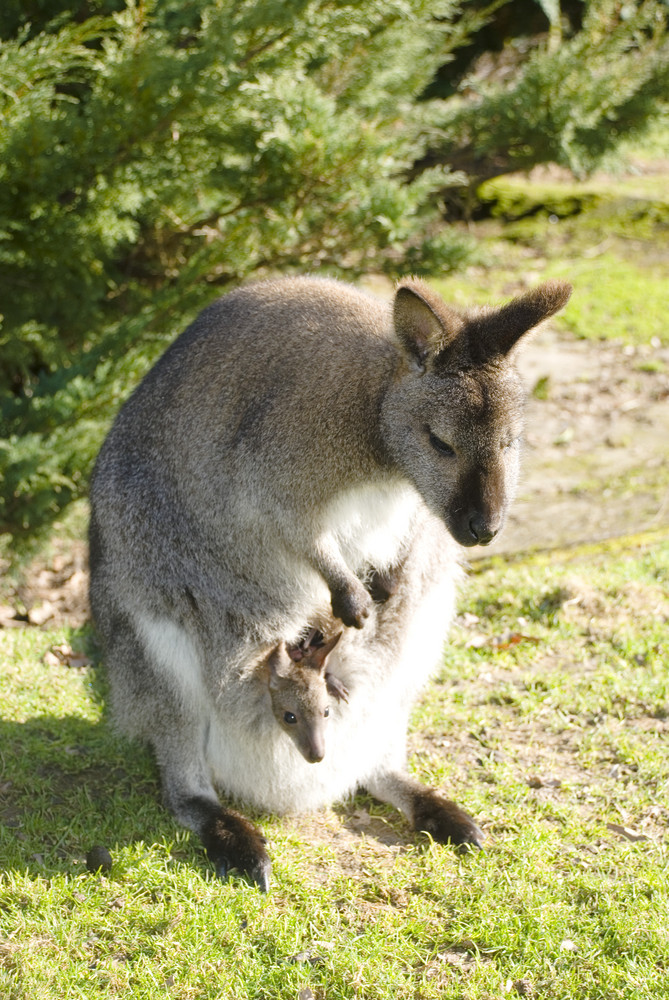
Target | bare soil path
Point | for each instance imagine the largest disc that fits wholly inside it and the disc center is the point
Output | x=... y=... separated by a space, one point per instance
x=596 y=462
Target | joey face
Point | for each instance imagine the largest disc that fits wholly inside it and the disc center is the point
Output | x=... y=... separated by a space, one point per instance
x=300 y=705
x=457 y=438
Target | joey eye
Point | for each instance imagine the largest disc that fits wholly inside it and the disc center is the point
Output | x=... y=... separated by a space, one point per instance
x=289 y=718
x=326 y=712
x=441 y=446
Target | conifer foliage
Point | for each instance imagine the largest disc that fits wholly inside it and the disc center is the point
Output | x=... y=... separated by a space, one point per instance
x=155 y=152
x=152 y=154
x=598 y=73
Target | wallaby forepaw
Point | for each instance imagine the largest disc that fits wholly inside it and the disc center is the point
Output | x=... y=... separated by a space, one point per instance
x=336 y=688
x=352 y=606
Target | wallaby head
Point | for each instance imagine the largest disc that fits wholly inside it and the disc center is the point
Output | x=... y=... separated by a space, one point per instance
x=452 y=419
x=300 y=697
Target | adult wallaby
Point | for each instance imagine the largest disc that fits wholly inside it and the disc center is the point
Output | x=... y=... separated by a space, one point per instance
x=300 y=689
x=298 y=441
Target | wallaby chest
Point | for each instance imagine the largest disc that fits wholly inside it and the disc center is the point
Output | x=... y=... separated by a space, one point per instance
x=370 y=523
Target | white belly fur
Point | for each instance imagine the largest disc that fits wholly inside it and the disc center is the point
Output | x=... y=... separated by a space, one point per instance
x=257 y=764
x=370 y=523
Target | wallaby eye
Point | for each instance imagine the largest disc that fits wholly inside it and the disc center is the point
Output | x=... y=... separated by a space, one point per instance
x=326 y=712
x=509 y=443
x=441 y=446
x=289 y=718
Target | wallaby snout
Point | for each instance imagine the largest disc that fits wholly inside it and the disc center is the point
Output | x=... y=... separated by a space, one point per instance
x=482 y=529
x=474 y=527
x=480 y=509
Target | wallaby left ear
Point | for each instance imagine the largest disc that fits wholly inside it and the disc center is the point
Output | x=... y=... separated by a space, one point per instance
x=317 y=656
x=424 y=324
x=500 y=329
x=279 y=664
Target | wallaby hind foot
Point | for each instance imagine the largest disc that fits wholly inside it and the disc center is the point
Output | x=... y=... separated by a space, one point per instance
x=231 y=841
x=427 y=810
x=445 y=821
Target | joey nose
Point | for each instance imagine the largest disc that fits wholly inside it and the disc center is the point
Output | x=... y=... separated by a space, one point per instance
x=481 y=532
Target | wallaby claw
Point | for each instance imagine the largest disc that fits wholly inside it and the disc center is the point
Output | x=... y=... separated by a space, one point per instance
x=259 y=873
x=352 y=607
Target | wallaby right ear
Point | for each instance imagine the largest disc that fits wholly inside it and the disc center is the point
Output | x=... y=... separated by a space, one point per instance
x=500 y=329
x=423 y=323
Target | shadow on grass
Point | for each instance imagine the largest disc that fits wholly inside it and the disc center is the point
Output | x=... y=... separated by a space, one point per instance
x=68 y=784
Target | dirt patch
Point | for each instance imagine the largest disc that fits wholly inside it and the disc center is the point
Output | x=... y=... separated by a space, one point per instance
x=596 y=461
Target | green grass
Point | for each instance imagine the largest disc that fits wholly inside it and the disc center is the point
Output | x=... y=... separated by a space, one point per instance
x=609 y=236
x=549 y=721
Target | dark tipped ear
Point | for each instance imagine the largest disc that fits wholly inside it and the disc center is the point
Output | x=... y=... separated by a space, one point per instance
x=423 y=323
x=317 y=656
x=499 y=330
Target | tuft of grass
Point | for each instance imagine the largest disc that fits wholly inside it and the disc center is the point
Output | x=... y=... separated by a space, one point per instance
x=549 y=721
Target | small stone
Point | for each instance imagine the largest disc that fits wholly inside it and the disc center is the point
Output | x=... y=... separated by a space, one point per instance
x=98 y=859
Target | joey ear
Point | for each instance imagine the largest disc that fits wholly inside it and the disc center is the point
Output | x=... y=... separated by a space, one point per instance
x=317 y=656
x=423 y=323
x=500 y=329
x=279 y=663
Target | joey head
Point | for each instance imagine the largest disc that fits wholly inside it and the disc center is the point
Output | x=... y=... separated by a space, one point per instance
x=300 y=689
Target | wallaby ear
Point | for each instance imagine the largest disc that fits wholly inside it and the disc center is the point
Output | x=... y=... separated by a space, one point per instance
x=279 y=664
x=423 y=323
x=500 y=329
x=318 y=655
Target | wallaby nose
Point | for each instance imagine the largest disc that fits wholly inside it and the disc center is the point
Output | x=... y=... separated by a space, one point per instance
x=481 y=532
x=314 y=750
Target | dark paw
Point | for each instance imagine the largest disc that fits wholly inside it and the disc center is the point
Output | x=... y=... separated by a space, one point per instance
x=234 y=844
x=381 y=586
x=445 y=821
x=352 y=606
